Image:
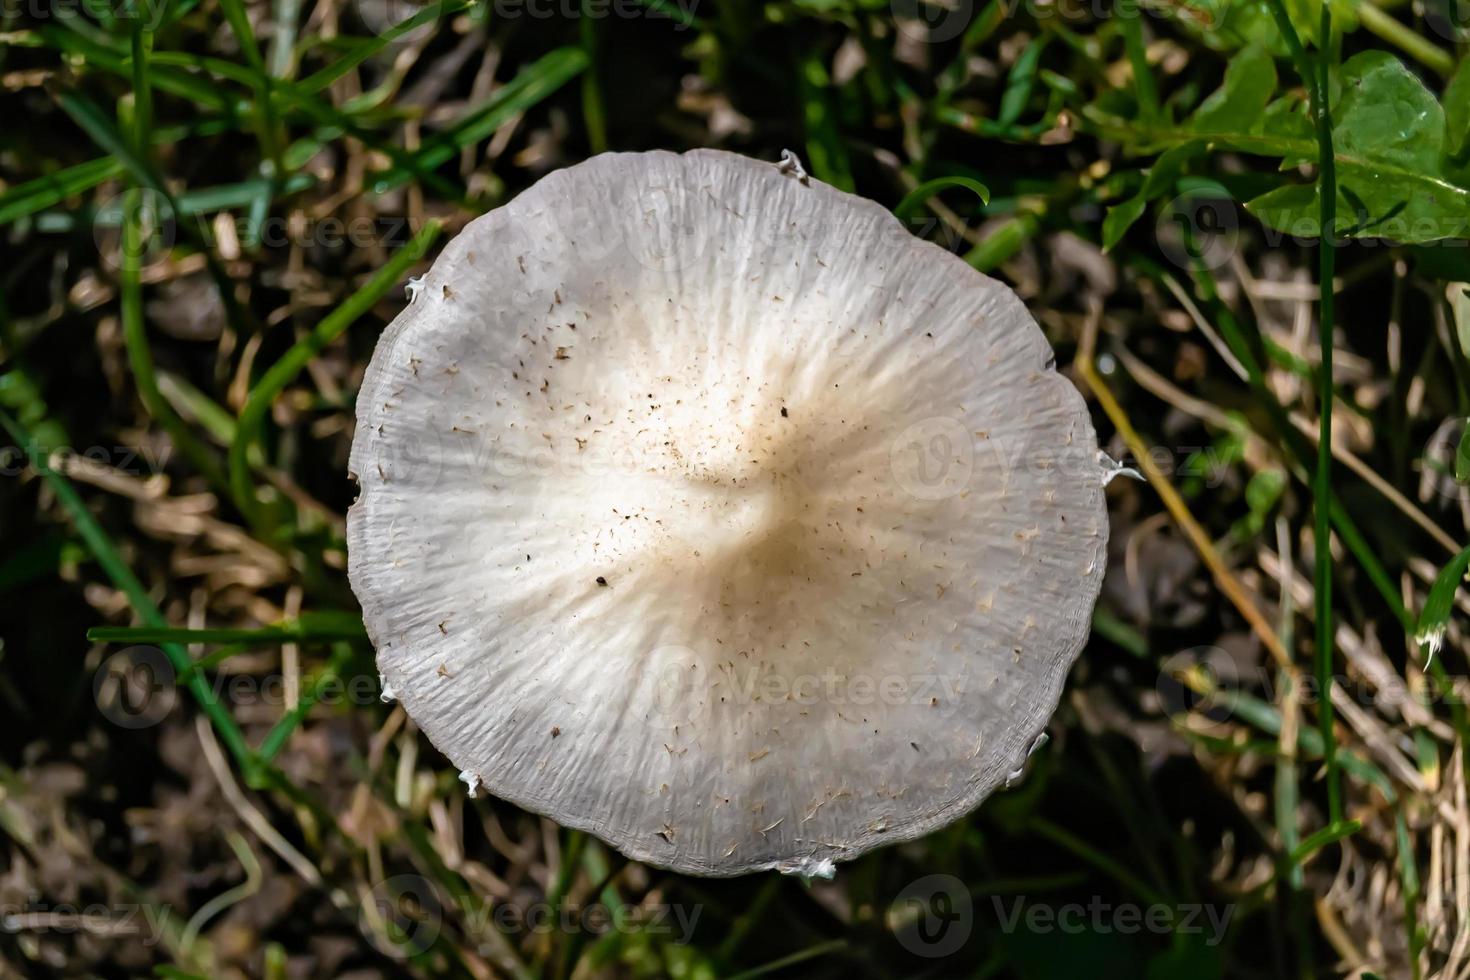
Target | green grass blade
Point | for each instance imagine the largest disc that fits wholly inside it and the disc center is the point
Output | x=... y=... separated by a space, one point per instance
x=85 y=113
x=1103 y=862
x=920 y=195
x=281 y=373
x=798 y=957
x=239 y=22
x=276 y=738
x=674 y=10
x=44 y=192
x=594 y=112
x=140 y=355
x=1327 y=835
x=1322 y=485
x=96 y=125
x=1440 y=605
x=824 y=148
x=37 y=195
x=62 y=36
x=1130 y=15
x=302 y=630
x=319 y=80
x=1020 y=82
x=194 y=405
x=533 y=84
x=122 y=577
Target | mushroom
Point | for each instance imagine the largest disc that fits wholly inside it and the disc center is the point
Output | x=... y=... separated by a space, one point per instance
x=705 y=509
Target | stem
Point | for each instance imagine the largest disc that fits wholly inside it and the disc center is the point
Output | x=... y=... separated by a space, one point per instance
x=1322 y=487
x=1406 y=39
x=140 y=355
x=135 y=335
x=1315 y=76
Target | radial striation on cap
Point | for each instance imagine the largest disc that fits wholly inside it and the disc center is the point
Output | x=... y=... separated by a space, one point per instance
x=706 y=509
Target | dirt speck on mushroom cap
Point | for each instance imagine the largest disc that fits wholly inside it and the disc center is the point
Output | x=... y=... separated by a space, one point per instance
x=854 y=519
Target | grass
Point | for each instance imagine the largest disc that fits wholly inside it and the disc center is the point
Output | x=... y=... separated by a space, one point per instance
x=1271 y=708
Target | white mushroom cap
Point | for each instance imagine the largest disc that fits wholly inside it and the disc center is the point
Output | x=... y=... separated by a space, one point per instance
x=707 y=510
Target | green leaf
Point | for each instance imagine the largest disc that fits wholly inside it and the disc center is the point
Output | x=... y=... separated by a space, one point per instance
x=1263 y=491
x=1457 y=110
x=1441 y=603
x=1287 y=119
x=1386 y=113
x=1161 y=177
x=94 y=122
x=1390 y=140
x=1240 y=102
x=824 y=146
x=1120 y=218
x=1136 y=45
x=45 y=192
x=1020 y=82
x=917 y=197
x=1327 y=835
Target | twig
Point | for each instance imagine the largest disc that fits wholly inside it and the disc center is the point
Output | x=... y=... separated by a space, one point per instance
x=1178 y=509
x=253 y=818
